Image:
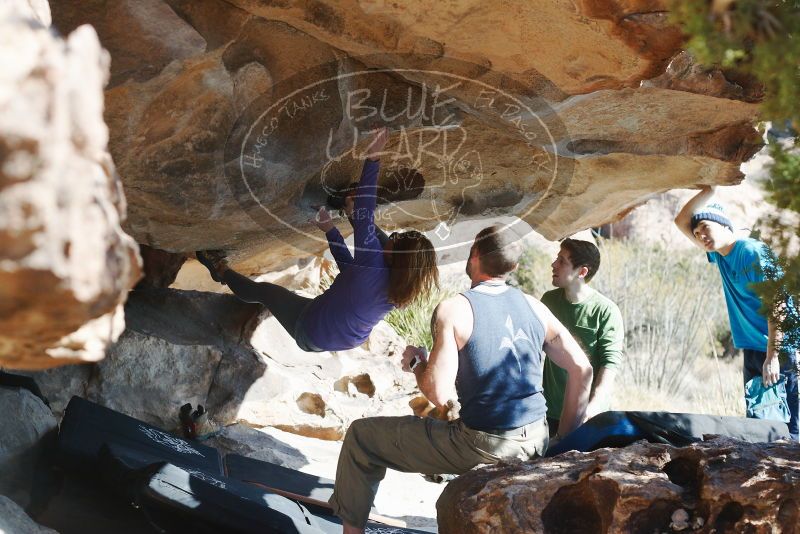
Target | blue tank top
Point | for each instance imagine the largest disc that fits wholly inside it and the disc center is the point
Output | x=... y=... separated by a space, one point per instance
x=499 y=380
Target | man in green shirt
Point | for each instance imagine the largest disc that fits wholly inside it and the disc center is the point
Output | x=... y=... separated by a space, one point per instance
x=592 y=319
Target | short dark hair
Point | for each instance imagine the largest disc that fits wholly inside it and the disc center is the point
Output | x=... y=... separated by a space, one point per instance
x=498 y=250
x=583 y=254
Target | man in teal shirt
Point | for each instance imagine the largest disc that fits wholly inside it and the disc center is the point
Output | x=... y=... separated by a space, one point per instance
x=742 y=263
x=593 y=320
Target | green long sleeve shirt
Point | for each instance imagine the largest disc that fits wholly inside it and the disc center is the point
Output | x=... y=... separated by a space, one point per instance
x=596 y=323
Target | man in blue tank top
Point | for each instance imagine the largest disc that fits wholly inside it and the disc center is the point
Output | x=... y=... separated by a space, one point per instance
x=488 y=352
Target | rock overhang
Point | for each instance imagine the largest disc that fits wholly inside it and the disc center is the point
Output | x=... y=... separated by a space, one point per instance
x=606 y=87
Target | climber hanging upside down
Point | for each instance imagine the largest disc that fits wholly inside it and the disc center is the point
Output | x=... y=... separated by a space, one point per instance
x=372 y=281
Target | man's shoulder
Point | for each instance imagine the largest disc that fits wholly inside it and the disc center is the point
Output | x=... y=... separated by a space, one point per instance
x=452 y=306
x=553 y=297
x=751 y=252
x=552 y=294
x=604 y=303
x=748 y=245
x=537 y=306
x=753 y=247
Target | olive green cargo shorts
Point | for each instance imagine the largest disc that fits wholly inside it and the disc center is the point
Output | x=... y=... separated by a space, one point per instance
x=419 y=445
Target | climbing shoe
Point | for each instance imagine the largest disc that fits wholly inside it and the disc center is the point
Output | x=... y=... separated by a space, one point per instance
x=196 y=424
x=214 y=261
x=204 y=427
x=188 y=427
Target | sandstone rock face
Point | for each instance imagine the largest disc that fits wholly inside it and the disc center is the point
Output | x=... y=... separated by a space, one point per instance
x=14 y=519
x=721 y=485
x=150 y=378
x=65 y=263
x=320 y=394
x=235 y=359
x=60 y=384
x=25 y=420
x=160 y=267
x=230 y=120
x=172 y=352
x=745 y=205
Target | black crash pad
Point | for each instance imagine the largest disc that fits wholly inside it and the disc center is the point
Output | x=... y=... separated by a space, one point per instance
x=177 y=499
x=180 y=486
x=87 y=427
x=304 y=485
x=618 y=429
x=279 y=477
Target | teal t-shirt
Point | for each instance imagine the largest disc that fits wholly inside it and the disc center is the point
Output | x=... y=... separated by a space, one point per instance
x=743 y=266
x=596 y=324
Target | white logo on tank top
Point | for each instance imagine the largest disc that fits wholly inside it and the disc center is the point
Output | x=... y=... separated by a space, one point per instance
x=510 y=341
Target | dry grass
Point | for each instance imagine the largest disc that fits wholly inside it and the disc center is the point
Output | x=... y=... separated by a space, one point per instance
x=708 y=388
x=671 y=302
x=674 y=314
x=413 y=322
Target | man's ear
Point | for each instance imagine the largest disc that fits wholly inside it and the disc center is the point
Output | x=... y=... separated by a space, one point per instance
x=584 y=272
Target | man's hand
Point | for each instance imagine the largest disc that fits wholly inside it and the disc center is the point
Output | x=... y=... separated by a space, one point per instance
x=770 y=372
x=377 y=143
x=409 y=354
x=323 y=220
x=592 y=409
x=683 y=220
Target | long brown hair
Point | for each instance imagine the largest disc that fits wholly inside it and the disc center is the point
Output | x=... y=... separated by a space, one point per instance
x=413 y=271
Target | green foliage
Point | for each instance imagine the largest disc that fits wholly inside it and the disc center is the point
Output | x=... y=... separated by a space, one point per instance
x=756 y=37
x=784 y=177
x=761 y=38
x=413 y=322
x=783 y=187
x=671 y=303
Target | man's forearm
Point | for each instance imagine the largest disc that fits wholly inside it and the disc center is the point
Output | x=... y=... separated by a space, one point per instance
x=576 y=399
x=602 y=388
x=773 y=339
x=684 y=217
x=438 y=395
x=426 y=386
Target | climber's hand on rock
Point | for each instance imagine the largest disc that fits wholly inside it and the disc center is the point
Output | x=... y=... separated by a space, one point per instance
x=323 y=220
x=377 y=143
x=409 y=354
x=349 y=204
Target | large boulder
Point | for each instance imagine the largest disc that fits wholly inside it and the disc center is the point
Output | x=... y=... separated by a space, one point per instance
x=721 y=485
x=25 y=421
x=13 y=519
x=237 y=361
x=231 y=119
x=172 y=353
x=320 y=394
x=65 y=263
x=60 y=384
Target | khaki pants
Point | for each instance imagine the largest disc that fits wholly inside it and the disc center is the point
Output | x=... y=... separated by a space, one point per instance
x=418 y=445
